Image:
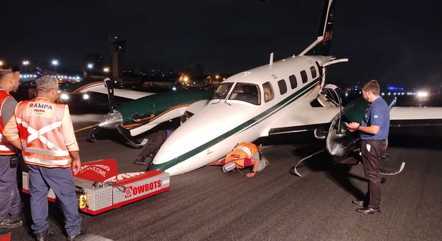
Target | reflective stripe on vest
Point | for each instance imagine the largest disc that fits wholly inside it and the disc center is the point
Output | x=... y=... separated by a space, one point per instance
x=41 y=136
x=5 y=146
x=246 y=150
x=242 y=154
x=47 y=163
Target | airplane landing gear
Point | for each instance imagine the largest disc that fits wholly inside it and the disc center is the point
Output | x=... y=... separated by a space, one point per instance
x=92 y=135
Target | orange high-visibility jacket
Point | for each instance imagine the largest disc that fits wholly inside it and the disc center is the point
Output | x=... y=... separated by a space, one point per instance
x=6 y=148
x=242 y=154
x=39 y=123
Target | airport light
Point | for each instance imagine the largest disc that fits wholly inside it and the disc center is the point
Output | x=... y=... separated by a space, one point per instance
x=25 y=62
x=185 y=79
x=64 y=96
x=106 y=69
x=86 y=96
x=422 y=94
x=55 y=62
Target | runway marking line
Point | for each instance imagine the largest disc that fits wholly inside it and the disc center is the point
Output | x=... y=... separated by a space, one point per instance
x=85 y=128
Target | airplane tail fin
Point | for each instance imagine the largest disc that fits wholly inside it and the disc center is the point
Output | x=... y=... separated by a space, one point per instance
x=321 y=46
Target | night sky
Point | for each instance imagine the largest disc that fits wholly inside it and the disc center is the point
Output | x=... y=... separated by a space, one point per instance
x=387 y=40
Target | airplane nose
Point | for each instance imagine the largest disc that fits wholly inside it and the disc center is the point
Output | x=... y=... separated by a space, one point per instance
x=197 y=141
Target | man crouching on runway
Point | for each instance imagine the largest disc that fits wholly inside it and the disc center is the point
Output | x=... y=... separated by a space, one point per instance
x=43 y=131
x=243 y=155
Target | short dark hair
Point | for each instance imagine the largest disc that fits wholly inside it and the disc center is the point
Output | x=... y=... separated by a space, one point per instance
x=7 y=70
x=4 y=72
x=372 y=86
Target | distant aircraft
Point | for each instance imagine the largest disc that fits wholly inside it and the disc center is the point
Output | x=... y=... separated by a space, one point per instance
x=285 y=96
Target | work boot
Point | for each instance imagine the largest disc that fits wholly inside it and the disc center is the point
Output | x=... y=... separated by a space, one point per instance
x=76 y=237
x=368 y=210
x=359 y=203
x=11 y=223
x=43 y=236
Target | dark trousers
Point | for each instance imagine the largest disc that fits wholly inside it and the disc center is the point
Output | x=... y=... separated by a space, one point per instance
x=372 y=153
x=60 y=180
x=10 y=202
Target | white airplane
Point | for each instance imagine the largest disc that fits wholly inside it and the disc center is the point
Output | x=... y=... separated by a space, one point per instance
x=272 y=99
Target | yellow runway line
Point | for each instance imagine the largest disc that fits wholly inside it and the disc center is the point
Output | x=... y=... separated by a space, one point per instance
x=86 y=128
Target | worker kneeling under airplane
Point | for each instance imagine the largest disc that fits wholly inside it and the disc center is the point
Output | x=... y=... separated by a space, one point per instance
x=244 y=155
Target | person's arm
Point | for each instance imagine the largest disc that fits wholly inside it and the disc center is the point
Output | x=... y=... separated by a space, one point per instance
x=76 y=163
x=355 y=126
x=377 y=115
x=10 y=132
x=373 y=129
x=254 y=168
x=71 y=141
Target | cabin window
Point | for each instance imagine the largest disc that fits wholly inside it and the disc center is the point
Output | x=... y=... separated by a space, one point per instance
x=222 y=91
x=293 y=81
x=246 y=92
x=268 y=91
x=313 y=70
x=282 y=87
x=304 y=77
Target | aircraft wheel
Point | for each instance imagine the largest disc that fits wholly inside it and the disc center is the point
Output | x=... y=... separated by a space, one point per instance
x=91 y=136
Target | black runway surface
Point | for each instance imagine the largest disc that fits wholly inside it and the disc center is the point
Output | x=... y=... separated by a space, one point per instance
x=275 y=205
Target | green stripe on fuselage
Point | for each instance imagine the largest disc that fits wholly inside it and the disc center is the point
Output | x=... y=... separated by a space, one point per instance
x=246 y=125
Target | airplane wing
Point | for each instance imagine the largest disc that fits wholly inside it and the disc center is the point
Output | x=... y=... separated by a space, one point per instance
x=311 y=118
x=99 y=87
x=415 y=116
x=305 y=119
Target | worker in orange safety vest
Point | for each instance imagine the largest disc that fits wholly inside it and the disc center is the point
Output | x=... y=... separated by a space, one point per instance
x=10 y=201
x=43 y=131
x=245 y=155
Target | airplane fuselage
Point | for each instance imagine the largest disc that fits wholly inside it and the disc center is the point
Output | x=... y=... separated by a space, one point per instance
x=252 y=101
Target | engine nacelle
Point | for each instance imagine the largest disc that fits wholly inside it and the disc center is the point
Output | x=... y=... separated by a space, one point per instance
x=340 y=143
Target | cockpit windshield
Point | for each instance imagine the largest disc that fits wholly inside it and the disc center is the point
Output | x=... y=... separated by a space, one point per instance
x=222 y=91
x=246 y=92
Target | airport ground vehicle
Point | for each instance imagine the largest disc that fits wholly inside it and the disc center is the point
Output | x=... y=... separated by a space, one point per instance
x=100 y=187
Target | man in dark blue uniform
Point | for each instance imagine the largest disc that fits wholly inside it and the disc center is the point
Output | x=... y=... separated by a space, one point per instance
x=374 y=135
